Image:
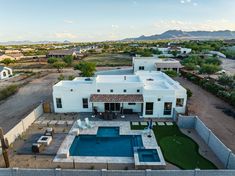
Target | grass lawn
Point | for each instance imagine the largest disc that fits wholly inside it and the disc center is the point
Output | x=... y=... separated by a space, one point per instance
x=178 y=148
x=110 y=59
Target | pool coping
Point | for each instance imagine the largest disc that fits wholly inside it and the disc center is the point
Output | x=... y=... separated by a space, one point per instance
x=124 y=129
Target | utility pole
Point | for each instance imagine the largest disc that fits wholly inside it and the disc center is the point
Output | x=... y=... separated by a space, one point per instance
x=5 y=146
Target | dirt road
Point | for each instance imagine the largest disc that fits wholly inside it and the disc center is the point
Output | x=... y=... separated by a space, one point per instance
x=26 y=99
x=205 y=106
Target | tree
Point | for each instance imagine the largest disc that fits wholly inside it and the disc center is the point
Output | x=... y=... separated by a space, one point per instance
x=68 y=60
x=8 y=61
x=59 y=65
x=209 y=68
x=87 y=68
x=52 y=60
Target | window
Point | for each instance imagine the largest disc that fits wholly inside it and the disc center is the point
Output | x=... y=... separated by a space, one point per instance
x=4 y=74
x=112 y=107
x=85 y=102
x=124 y=90
x=179 y=102
x=149 y=108
x=158 y=69
x=111 y=90
x=159 y=99
x=138 y=90
x=141 y=67
x=58 y=103
x=98 y=90
x=167 y=108
x=131 y=103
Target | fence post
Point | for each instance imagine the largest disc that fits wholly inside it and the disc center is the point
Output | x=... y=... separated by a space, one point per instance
x=148 y=172
x=57 y=172
x=103 y=172
x=14 y=171
x=196 y=171
x=209 y=137
x=227 y=162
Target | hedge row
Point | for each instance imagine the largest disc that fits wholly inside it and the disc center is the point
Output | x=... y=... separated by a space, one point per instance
x=212 y=87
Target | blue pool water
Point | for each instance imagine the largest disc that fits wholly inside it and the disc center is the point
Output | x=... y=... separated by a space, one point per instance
x=105 y=145
x=108 y=132
x=148 y=155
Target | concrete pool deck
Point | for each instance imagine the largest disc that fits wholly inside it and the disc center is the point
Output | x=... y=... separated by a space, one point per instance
x=63 y=158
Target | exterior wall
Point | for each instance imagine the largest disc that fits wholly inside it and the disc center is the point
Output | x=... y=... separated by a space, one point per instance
x=72 y=96
x=149 y=64
x=23 y=125
x=225 y=155
x=104 y=172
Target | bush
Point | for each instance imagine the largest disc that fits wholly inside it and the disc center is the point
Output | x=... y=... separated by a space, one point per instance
x=189 y=93
x=209 y=68
x=8 y=91
x=52 y=60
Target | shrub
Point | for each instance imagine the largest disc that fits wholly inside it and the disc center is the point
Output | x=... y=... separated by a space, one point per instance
x=8 y=91
x=171 y=73
x=189 y=93
x=52 y=60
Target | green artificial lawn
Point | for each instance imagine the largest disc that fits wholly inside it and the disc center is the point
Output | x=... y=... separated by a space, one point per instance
x=178 y=148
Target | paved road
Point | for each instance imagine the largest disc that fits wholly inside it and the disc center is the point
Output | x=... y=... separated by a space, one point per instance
x=205 y=106
x=26 y=99
x=229 y=66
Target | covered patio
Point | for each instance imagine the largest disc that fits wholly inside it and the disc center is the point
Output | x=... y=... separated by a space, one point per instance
x=110 y=106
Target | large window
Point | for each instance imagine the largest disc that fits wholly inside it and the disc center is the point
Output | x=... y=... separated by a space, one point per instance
x=112 y=106
x=141 y=67
x=149 y=108
x=167 y=108
x=58 y=103
x=85 y=102
x=179 y=102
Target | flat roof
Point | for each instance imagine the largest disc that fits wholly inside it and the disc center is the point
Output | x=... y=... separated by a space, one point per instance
x=117 y=79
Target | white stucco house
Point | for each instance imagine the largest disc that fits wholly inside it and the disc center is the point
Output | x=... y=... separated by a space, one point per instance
x=5 y=72
x=179 y=49
x=150 y=94
x=155 y=64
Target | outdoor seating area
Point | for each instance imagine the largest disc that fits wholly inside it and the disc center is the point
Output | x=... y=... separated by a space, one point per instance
x=44 y=141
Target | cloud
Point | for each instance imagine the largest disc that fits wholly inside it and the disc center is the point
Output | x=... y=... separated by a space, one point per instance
x=65 y=35
x=188 y=2
x=114 y=26
x=208 y=25
x=68 y=21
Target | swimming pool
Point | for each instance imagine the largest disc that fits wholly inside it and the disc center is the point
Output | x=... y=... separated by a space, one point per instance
x=107 y=143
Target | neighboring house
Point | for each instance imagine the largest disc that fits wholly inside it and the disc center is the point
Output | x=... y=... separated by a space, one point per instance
x=63 y=53
x=5 y=72
x=168 y=50
x=155 y=64
x=150 y=94
x=12 y=51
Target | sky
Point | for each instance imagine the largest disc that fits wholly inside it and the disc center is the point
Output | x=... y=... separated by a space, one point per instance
x=101 y=20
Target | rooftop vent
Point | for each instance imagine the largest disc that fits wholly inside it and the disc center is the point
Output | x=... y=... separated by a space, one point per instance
x=87 y=79
x=150 y=79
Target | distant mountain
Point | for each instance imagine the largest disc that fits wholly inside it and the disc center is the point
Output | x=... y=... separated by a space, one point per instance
x=28 y=42
x=178 y=34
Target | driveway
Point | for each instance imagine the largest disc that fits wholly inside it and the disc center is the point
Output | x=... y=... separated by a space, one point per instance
x=208 y=108
x=26 y=99
x=228 y=65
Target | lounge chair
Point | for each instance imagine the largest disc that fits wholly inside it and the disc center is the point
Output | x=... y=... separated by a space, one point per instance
x=88 y=123
x=80 y=125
